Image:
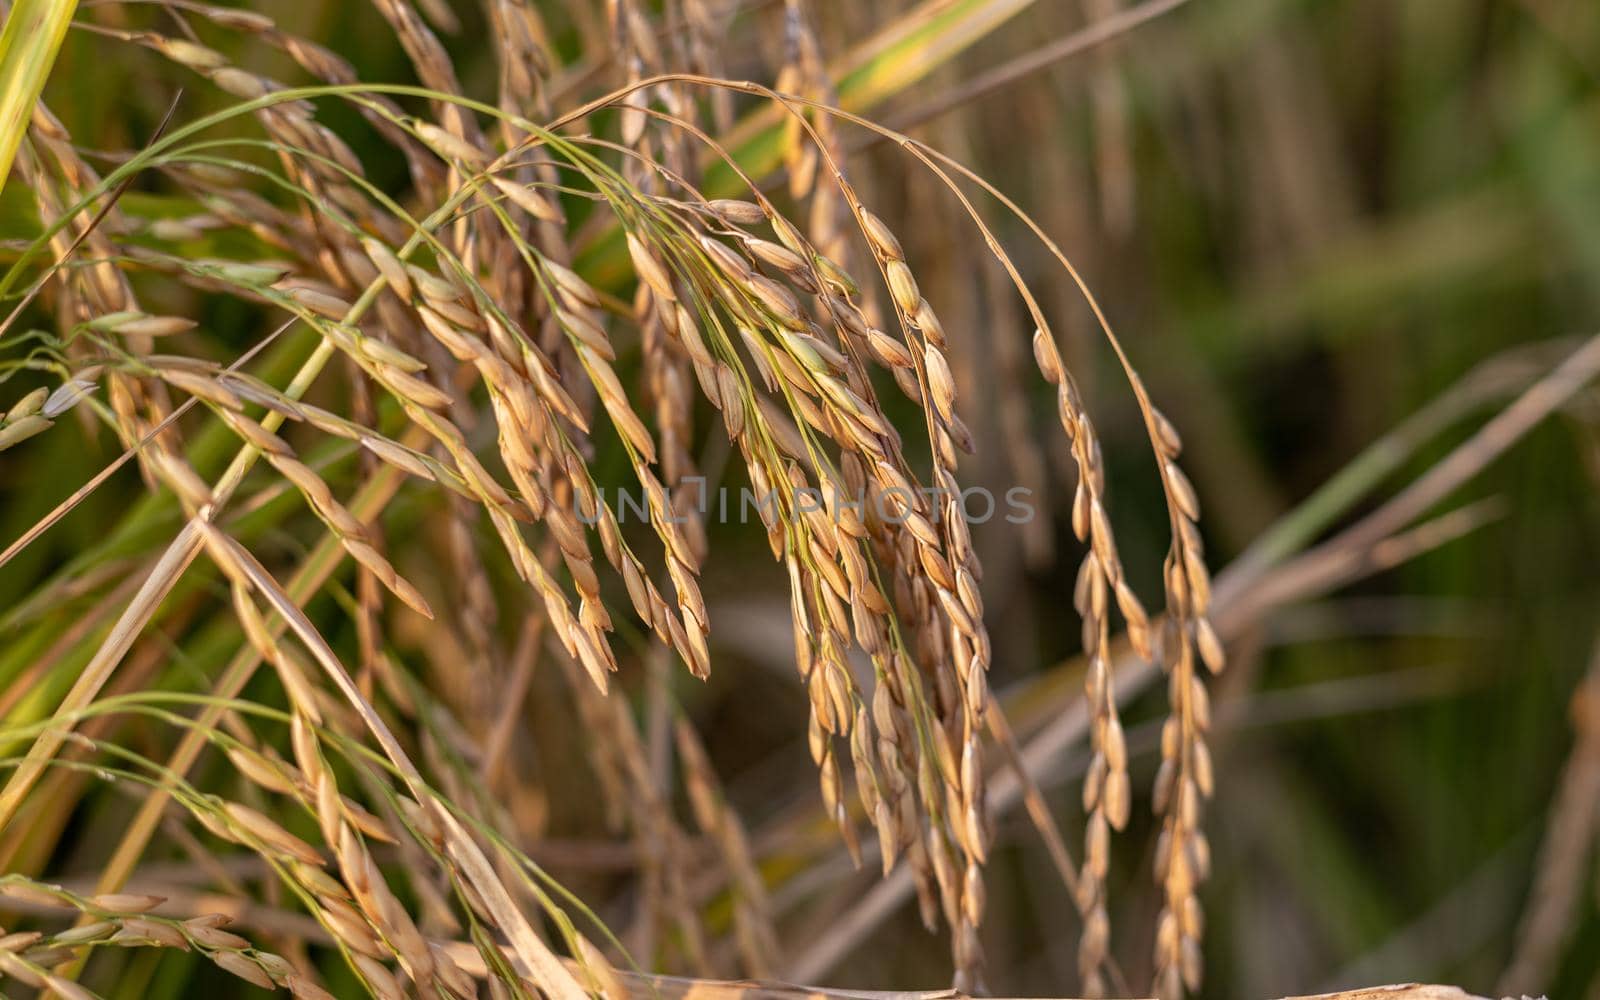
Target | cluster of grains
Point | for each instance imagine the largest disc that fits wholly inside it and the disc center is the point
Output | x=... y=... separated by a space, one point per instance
x=358 y=908
x=124 y=920
x=25 y=419
x=38 y=410
x=98 y=293
x=842 y=525
x=352 y=900
x=330 y=165
x=1106 y=791
x=950 y=572
x=657 y=311
x=205 y=381
x=794 y=362
x=459 y=312
x=1185 y=778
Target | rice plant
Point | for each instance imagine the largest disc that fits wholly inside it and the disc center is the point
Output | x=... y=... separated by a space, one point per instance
x=403 y=408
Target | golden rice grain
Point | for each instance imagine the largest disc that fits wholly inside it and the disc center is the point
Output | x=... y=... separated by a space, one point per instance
x=882 y=238
x=941 y=383
x=260 y=827
x=737 y=213
x=244 y=968
x=126 y=902
x=19 y=941
x=528 y=198
x=211 y=937
x=154 y=326
x=36 y=894
x=903 y=287
x=18 y=431
x=448 y=145
x=139 y=929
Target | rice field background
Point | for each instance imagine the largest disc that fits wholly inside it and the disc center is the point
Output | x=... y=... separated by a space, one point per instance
x=676 y=498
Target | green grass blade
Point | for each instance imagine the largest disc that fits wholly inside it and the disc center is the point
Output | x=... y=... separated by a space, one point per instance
x=28 y=46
